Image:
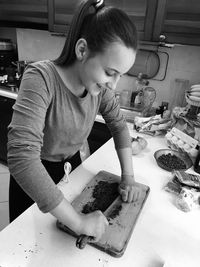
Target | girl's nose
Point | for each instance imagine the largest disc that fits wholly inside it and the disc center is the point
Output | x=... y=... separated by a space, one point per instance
x=112 y=84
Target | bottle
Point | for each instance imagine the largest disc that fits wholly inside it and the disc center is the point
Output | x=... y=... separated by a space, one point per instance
x=197 y=163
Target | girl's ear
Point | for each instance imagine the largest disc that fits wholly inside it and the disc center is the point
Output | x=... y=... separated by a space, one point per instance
x=81 y=49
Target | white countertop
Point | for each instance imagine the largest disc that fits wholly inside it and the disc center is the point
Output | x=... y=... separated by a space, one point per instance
x=7 y=93
x=163 y=233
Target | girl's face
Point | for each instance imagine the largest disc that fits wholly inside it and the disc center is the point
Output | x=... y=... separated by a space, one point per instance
x=105 y=69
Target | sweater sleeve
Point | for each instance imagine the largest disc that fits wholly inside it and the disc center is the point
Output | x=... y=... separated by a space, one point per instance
x=110 y=110
x=25 y=138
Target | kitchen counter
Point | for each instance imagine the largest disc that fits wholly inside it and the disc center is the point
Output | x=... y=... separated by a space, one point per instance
x=7 y=93
x=163 y=233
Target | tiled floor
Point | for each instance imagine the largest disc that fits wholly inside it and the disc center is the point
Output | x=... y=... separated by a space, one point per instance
x=4 y=185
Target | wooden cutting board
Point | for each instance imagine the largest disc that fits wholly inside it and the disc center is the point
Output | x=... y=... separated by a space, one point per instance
x=121 y=221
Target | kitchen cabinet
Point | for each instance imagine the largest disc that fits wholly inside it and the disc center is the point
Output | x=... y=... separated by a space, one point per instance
x=140 y=11
x=178 y=21
x=99 y=135
x=24 y=14
x=156 y=20
x=5 y=118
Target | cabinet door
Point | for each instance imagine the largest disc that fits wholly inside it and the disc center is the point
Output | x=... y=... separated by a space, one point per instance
x=24 y=13
x=60 y=13
x=99 y=135
x=6 y=112
x=140 y=11
x=178 y=21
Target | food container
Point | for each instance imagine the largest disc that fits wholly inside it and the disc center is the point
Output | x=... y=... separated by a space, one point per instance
x=170 y=160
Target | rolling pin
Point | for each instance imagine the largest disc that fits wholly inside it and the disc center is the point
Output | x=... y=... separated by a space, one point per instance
x=82 y=240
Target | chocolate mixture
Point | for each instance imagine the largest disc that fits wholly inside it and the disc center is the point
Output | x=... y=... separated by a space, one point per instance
x=104 y=194
x=172 y=162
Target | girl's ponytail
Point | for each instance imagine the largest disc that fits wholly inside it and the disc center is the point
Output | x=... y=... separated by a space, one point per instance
x=99 y=26
x=67 y=55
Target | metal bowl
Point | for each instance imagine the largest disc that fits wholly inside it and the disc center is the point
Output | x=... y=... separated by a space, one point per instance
x=171 y=166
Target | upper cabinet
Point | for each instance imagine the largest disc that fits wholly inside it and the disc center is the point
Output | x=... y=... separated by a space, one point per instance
x=140 y=11
x=24 y=13
x=177 y=21
x=156 y=20
x=167 y=21
x=60 y=13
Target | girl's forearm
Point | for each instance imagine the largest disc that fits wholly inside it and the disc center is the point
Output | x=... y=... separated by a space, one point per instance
x=66 y=214
x=125 y=159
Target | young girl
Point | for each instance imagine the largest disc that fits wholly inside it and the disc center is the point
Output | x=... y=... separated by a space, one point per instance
x=55 y=111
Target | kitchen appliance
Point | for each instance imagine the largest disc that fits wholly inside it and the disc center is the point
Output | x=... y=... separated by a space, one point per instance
x=124 y=215
x=7 y=54
x=13 y=73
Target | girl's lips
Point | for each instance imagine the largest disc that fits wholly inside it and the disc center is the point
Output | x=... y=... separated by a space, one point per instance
x=103 y=86
x=100 y=86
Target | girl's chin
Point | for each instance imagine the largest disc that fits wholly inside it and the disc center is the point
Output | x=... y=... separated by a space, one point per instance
x=94 y=93
x=95 y=90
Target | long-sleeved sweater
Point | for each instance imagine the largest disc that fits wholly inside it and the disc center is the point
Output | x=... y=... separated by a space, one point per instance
x=51 y=123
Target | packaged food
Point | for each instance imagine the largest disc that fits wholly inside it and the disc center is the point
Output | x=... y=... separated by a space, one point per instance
x=173 y=186
x=187 y=178
x=187 y=200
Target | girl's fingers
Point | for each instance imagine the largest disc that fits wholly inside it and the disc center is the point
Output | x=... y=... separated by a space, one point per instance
x=135 y=196
x=124 y=194
x=130 y=196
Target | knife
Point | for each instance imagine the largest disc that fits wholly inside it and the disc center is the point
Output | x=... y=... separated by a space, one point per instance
x=111 y=212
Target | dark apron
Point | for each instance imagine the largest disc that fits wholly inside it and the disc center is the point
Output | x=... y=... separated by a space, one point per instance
x=19 y=201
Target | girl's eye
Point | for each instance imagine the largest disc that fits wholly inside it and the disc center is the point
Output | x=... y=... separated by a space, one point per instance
x=110 y=73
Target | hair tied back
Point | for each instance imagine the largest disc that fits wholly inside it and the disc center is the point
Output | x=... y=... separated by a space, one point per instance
x=99 y=4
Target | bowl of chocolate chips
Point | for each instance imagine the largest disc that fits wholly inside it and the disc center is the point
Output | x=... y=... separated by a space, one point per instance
x=170 y=160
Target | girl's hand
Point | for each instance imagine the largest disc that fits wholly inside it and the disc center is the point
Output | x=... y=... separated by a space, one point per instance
x=93 y=224
x=129 y=189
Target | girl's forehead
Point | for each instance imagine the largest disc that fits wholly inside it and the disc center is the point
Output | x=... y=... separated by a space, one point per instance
x=117 y=55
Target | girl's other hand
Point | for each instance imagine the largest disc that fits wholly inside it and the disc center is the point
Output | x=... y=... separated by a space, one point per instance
x=129 y=189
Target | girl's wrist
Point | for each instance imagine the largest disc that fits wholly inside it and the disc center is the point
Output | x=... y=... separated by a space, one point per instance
x=127 y=177
x=127 y=174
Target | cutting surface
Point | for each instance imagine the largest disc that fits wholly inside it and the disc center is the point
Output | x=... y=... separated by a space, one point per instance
x=121 y=221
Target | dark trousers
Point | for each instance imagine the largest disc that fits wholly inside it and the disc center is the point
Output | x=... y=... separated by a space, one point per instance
x=19 y=201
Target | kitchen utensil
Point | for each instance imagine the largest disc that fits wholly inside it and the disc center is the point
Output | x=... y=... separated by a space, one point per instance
x=82 y=240
x=116 y=237
x=168 y=165
x=125 y=98
x=178 y=88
